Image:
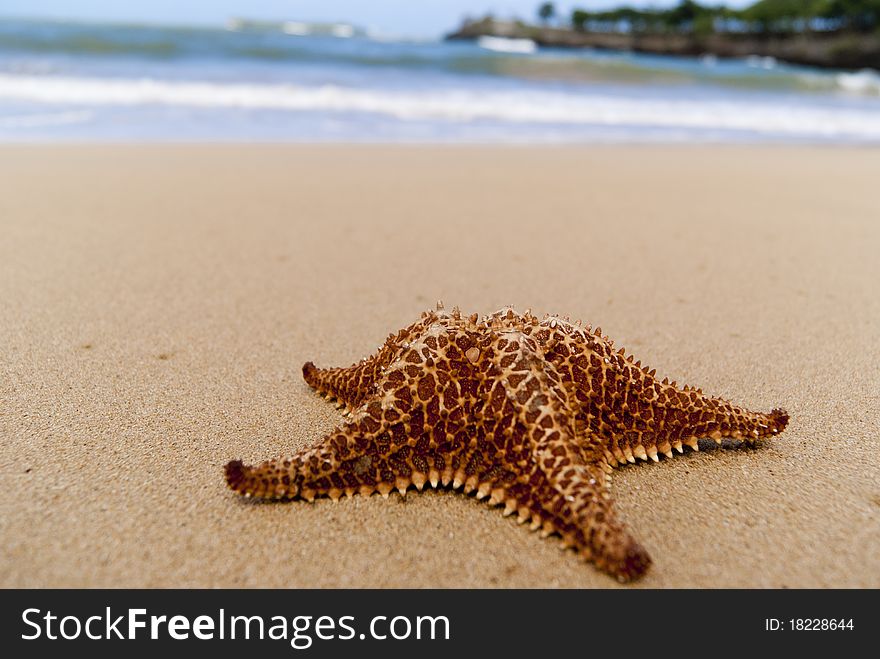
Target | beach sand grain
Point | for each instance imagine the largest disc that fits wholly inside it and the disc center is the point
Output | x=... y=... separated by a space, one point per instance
x=159 y=302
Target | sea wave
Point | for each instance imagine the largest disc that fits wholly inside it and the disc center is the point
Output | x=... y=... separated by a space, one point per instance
x=528 y=106
x=858 y=83
x=504 y=45
x=518 y=59
x=866 y=81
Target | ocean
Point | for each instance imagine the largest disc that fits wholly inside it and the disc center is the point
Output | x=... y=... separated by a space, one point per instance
x=297 y=83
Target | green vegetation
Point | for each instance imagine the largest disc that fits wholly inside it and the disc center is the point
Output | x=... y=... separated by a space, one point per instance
x=763 y=17
x=546 y=12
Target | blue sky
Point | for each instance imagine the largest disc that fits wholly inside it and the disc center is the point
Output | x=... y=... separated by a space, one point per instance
x=409 y=17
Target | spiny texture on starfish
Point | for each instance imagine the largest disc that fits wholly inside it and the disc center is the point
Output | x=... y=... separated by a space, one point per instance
x=532 y=414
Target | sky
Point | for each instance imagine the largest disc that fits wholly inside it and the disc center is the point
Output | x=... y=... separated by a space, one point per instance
x=392 y=17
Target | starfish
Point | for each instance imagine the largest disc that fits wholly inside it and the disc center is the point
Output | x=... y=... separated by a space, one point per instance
x=532 y=414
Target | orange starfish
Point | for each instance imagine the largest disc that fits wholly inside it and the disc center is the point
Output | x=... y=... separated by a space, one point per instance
x=533 y=415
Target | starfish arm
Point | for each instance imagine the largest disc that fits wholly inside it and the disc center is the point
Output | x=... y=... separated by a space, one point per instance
x=403 y=435
x=637 y=414
x=652 y=416
x=352 y=385
x=568 y=492
x=688 y=415
x=565 y=489
x=364 y=456
x=578 y=506
x=348 y=385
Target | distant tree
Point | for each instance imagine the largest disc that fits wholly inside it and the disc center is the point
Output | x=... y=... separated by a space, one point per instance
x=767 y=16
x=546 y=12
x=704 y=24
x=776 y=15
x=863 y=15
x=684 y=15
x=579 y=19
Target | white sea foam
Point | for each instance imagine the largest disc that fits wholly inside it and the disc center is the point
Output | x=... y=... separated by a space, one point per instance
x=762 y=117
x=859 y=83
x=758 y=62
x=506 y=45
x=342 y=31
x=866 y=81
x=296 y=29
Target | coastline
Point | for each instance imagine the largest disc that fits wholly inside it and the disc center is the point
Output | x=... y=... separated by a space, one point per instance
x=830 y=51
x=162 y=299
x=96 y=83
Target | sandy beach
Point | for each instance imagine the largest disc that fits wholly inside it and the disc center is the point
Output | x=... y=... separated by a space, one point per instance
x=158 y=303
